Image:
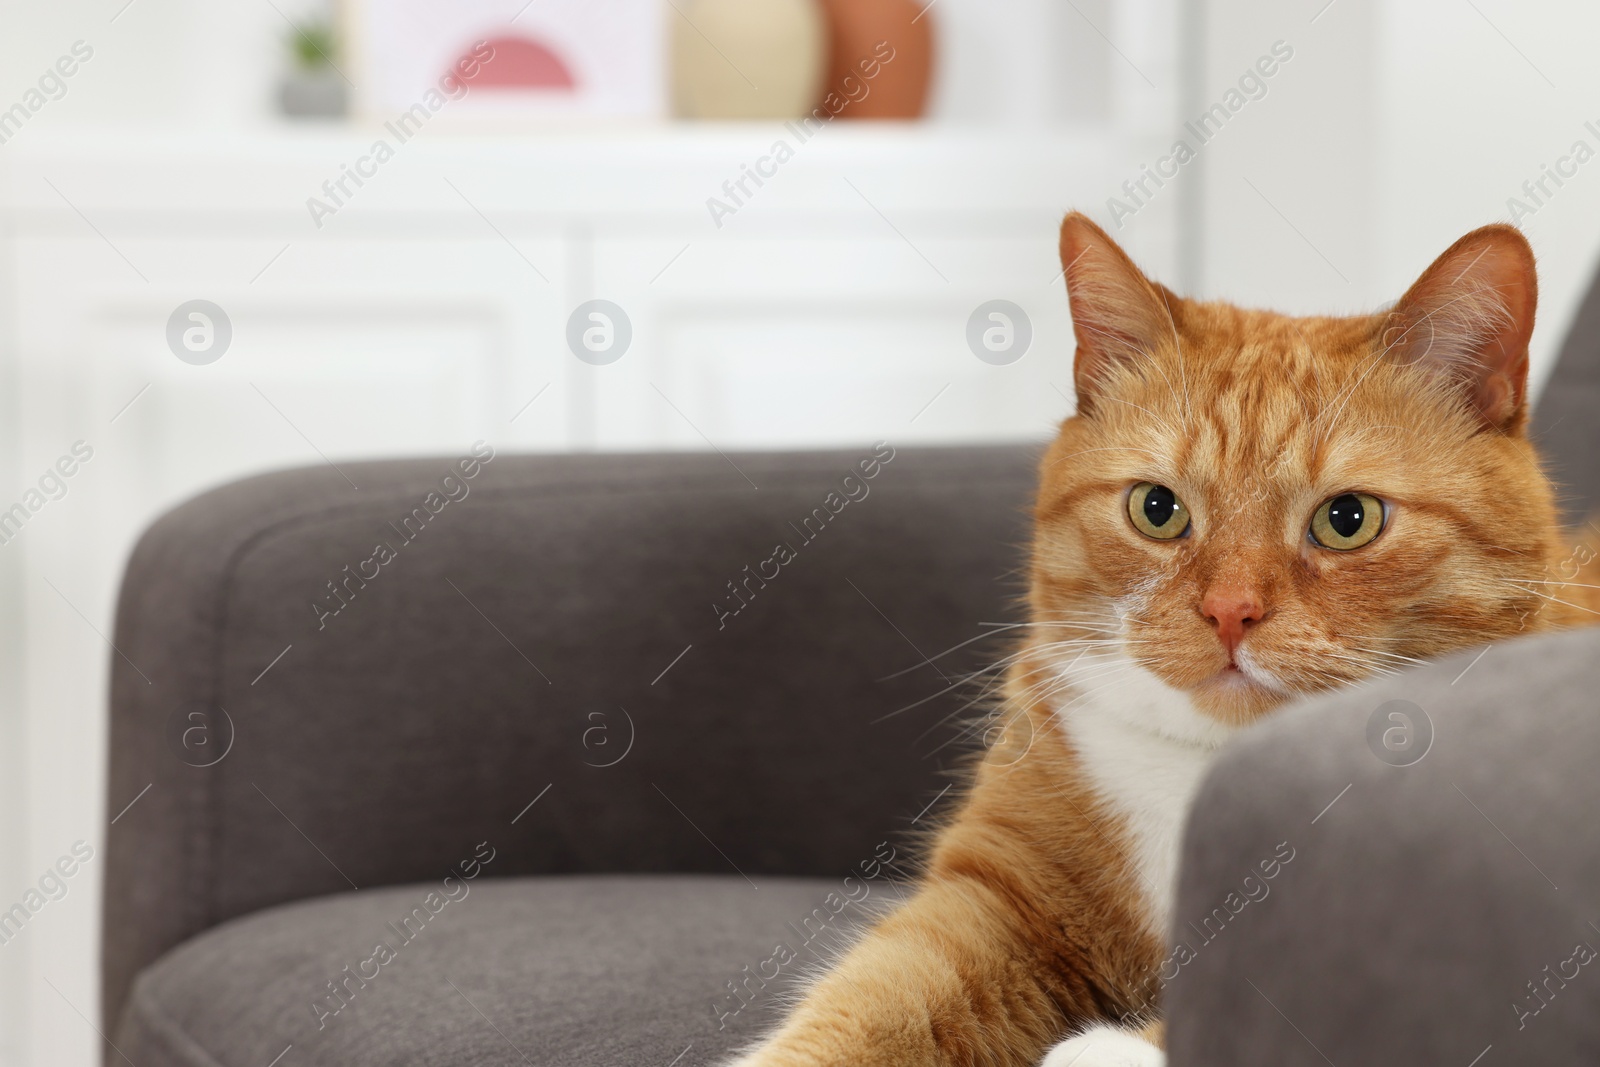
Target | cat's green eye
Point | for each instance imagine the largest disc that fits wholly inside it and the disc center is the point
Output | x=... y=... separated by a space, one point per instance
x=1348 y=521
x=1157 y=512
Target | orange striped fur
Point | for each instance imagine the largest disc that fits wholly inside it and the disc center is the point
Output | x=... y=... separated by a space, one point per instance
x=1039 y=912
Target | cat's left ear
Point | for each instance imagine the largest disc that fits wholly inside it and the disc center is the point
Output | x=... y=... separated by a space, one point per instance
x=1469 y=318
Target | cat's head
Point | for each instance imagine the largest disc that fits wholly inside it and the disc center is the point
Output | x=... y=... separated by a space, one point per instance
x=1251 y=507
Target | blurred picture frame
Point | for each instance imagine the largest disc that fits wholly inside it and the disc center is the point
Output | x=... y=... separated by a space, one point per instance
x=509 y=61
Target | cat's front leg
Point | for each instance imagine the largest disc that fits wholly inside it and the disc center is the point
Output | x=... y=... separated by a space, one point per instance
x=1104 y=1045
x=935 y=983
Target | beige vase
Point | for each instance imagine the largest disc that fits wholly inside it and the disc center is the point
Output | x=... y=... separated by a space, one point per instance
x=747 y=59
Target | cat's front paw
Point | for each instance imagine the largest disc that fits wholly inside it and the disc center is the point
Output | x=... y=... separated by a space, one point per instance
x=1105 y=1046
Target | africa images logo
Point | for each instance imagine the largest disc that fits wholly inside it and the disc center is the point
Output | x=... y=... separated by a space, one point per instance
x=199 y=332
x=1399 y=733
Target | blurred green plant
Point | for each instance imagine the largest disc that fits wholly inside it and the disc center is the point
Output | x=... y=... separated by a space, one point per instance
x=313 y=44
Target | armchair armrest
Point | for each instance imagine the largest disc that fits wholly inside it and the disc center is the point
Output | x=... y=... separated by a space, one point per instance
x=1442 y=894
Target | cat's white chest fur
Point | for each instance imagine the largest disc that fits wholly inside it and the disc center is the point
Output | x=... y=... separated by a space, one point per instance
x=1145 y=749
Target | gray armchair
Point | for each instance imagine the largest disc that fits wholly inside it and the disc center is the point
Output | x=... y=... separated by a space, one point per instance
x=576 y=782
x=585 y=769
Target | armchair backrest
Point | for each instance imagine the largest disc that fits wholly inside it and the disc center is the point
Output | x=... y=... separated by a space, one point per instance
x=1566 y=420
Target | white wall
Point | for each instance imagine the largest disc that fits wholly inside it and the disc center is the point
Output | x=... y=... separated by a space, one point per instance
x=161 y=62
x=1469 y=119
x=1398 y=126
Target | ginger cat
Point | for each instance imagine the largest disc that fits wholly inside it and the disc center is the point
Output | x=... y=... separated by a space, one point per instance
x=1245 y=508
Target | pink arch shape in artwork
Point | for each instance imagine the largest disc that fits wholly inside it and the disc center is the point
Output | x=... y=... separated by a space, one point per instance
x=519 y=63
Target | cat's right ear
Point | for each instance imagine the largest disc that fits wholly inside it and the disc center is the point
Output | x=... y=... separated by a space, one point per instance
x=1118 y=314
x=1468 y=320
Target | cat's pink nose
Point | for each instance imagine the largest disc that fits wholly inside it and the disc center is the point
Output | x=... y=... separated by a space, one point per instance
x=1232 y=612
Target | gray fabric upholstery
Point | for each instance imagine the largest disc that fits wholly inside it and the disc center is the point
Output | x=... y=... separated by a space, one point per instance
x=1418 y=907
x=1565 y=426
x=576 y=971
x=472 y=673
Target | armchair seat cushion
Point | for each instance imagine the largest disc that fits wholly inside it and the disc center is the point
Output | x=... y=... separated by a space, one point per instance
x=582 y=971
